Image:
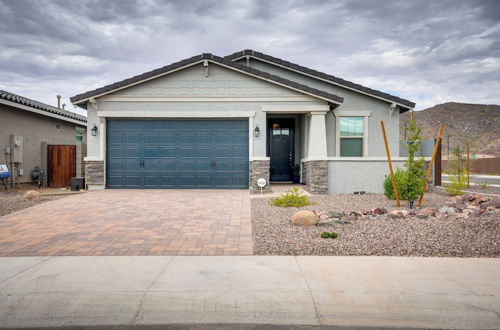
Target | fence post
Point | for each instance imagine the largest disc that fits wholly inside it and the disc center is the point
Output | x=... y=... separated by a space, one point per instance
x=430 y=165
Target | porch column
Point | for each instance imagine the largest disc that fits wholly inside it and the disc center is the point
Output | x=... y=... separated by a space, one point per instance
x=317 y=136
x=315 y=168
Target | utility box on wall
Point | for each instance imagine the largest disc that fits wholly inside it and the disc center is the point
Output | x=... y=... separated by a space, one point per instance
x=16 y=149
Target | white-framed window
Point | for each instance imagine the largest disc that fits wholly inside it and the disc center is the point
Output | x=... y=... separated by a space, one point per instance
x=352 y=133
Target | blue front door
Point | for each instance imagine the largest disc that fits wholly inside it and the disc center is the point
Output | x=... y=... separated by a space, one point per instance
x=177 y=154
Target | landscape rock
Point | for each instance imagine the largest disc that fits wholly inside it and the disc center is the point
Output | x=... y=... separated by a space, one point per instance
x=428 y=211
x=451 y=211
x=398 y=214
x=335 y=214
x=443 y=209
x=379 y=210
x=326 y=222
x=31 y=194
x=305 y=218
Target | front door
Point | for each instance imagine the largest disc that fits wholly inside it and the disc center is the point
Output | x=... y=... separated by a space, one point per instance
x=281 y=148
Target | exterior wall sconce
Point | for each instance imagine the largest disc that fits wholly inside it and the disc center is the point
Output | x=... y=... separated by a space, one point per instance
x=94 y=130
x=256 y=131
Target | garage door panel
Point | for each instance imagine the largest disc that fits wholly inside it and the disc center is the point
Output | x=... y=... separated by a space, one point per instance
x=177 y=153
x=240 y=153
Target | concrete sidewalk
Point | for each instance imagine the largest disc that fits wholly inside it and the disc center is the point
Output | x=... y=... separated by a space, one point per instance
x=339 y=291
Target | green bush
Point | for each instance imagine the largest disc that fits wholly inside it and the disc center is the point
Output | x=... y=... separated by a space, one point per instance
x=458 y=183
x=291 y=198
x=399 y=175
x=329 y=235
x=410 y=180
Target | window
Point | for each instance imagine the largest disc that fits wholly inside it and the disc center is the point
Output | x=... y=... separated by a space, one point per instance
x=352 y=134
x=79 y=136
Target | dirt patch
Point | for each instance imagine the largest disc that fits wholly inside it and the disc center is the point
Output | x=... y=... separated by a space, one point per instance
x=273 y=234
x=12 y=201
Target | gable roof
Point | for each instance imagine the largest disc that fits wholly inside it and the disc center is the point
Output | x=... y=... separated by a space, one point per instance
x=321 y=75
x=78 y=99
x=19 y=101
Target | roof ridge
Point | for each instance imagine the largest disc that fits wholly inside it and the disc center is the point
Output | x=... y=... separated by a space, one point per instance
x=303 y=69
x=40 y=105
x=196 y=58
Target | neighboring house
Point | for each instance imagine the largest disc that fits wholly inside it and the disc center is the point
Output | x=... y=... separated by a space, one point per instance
x=224 y=122
x=50 y=138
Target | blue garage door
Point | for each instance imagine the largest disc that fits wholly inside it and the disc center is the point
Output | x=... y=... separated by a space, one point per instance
x=177 y=154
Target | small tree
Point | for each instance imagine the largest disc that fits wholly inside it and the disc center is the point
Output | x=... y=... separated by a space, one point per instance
x=458 y=173
x=415 y=173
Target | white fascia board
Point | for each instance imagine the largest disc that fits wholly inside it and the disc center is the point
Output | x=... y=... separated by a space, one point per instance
x=344 y=113
x=325 y=80
x=296 y=108
x=42 y=112
x=176 y=114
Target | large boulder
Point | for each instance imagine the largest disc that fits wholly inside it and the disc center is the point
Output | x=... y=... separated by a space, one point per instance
x=31 y=194
x=305 y=218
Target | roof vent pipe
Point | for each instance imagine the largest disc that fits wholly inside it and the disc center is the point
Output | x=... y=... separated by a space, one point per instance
x=64 y=105
x=58 y=101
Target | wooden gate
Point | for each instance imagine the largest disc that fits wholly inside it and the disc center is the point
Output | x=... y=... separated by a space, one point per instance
x=62 y=165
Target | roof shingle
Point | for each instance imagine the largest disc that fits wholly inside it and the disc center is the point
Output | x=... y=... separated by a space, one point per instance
x=319 y=74
x=4 y=95
x=205 y=56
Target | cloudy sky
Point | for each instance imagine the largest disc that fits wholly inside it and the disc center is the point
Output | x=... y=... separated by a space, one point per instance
x=429 y=52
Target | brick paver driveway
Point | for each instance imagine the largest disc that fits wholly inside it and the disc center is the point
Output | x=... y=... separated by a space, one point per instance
x=132 y=222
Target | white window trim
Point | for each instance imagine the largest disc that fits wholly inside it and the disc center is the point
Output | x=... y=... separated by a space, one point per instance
x=338 y=114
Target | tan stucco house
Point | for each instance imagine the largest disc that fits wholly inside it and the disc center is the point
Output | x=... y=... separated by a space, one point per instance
x=223 y=122
x=43 y=136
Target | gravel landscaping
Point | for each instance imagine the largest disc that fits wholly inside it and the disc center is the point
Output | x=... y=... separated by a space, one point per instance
x=273 y=233
x=13 y=201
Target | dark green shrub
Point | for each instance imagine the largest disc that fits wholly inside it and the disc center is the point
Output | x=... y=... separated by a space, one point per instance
x=399 y=175
x=291 y=198
x=329 y=235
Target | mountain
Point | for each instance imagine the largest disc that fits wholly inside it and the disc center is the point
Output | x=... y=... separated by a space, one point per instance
x=480 y=122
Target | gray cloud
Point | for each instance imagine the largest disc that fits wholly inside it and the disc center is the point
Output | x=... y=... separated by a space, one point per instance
x=426 y=51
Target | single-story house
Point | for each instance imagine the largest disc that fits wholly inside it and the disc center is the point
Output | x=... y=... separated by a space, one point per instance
x=34 y=134
x=224 y=122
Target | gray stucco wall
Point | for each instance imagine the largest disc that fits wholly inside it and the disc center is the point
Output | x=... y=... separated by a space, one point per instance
x=353 y=101
x=36 y=129
x=191 y=83
x=346 y=177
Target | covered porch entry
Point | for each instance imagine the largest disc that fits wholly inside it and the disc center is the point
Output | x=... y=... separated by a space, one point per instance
x=296 y=142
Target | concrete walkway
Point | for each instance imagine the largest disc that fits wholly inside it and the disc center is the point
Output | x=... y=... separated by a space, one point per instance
x=339 y=291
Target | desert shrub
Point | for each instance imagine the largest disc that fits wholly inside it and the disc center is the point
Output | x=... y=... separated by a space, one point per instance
x=457 y=172
x=329 y=235
x=410 y=180
x=399 y=175
x=291 y=198
x=458 y=182
x=484 y=185
x=325 y=235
